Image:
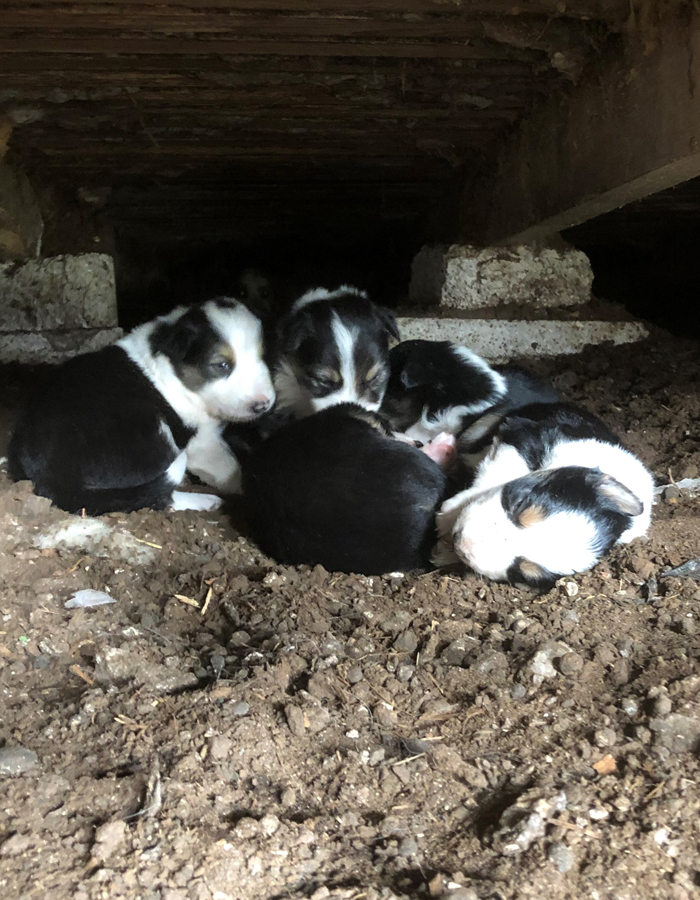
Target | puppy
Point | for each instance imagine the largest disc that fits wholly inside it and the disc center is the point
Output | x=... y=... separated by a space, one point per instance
x=556 y=490
x=333 y=347
x=116 y=429
x=336 y=489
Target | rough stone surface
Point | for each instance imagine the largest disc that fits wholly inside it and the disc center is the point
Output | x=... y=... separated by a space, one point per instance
x=498 y=340
x=17 y=760
x=62 y=292
x=21 y=225
x=467 y=277
x=32 y=347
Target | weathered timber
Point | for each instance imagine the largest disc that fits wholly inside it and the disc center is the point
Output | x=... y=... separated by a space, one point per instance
x=631 y=130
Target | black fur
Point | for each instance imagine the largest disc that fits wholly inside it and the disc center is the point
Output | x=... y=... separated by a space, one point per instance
x=334 y=489
x=90 y=437
x=535 y=430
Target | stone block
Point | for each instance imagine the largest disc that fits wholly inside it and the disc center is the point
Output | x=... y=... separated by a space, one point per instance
x=500 y=340
x=464 y=277
x=35 y=347
x=62 y=292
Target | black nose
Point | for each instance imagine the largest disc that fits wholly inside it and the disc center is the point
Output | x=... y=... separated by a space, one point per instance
x=259 y=407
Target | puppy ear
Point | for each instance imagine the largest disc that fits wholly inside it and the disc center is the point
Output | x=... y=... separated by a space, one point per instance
x=532 y=573
x=614 y=495
x=292 y=329
x=388 y=321
x=175 y=340
x=416 y=373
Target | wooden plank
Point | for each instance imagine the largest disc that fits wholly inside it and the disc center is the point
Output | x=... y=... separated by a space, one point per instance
x=30 y=44
x=629 y=131
x=606 y=10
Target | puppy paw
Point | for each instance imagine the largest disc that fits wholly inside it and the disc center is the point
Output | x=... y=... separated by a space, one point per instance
x=192 y=500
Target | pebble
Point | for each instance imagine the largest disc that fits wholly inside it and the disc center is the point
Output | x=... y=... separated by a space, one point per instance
x=620 y=672
x=17 y=761
x=662 y=705
x=561 y=857
x=239 y=639
x=571 y=663
x=518 y=691
x=463 y=894
x=408 y=847
x=241 y=709
x=397 y=621
x=17 y=845
x=108 y=838
x=676 y=732
x=269 y=824
x=407 y=642
x=630 y=707
x=354 y=674
x=405 y=673
x=605 y=737
x=455 y=653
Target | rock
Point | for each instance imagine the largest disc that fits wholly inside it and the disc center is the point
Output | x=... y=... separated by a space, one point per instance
x=398 y=621
x=407 y=642
x=354 y=674
x=492 y=662
x=620 y=672
x=221 y=747
x=408 y=847
x=405 y=673
x=541 y=663
x=269 y=825
x=456 y=652
x=678 y=733
x=108 y=838
x=384 y=715
x=605 y=737
x=295 y=720
x=17 y=845
x=690 y=569
x=630 y=707
x=17 y=761
x=662 y=705
x=561 y=857
x=240 y=709
x=462 y=893
x=520 y=831
x=571 y=663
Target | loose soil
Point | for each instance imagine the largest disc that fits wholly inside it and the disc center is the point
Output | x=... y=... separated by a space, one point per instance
x=230 y=728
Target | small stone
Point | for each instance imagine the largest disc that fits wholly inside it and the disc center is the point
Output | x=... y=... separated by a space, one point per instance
x=408 y=847
x=518 y=691
x=605 y=737
x=462 y=893
x=571 y=663
x=620 y=672
x=220 y=747
x=676 y=732
x=239 y=639
x=41 y=661
x=295 y=720
x=398 y=621
x=240 y=709
x=16 y=845
x=630 y=707
x=269 y=825
x=17 y=761
x=672 y=493
x=456 y=652
x=405 y=673
x=662 y=705
x=541 y=664
x=407 y=642
x=384 y=715
x=571 y=588
x=108 y=838
x=561 y=857
x=288 y=797
x=355 y=674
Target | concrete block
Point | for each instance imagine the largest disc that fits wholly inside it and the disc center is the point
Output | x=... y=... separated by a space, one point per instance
x=466 y=277
x=502 y=340
x=21 y=223
x=37 y=347
x=59 y=292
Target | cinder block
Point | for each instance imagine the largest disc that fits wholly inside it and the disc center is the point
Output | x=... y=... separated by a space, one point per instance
x=502 y=340
x=33 y=347
x=465 y=277
x=58 y=292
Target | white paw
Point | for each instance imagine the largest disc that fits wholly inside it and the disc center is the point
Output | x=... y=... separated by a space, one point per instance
x=192 y=500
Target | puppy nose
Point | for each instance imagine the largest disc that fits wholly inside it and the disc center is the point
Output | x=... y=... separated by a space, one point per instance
x=260 y=405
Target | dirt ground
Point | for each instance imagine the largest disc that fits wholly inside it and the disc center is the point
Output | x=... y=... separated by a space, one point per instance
x=229 y=728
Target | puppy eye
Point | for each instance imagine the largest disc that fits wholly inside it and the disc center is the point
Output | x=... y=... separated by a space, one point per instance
x=223 y=367
x=318 y=381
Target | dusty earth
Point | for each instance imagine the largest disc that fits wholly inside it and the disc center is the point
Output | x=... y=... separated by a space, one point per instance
x=229 y=728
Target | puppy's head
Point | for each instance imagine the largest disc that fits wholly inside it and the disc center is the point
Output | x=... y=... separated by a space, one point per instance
x=431 y=378
x=216 y=352
x=544 y=525
x=254 y=289
x=333 y=347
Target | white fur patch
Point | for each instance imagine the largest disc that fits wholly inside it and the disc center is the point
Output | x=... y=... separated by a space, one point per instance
x=177 y=468
x=210 y=458
x=324 y=294
x=192 y=500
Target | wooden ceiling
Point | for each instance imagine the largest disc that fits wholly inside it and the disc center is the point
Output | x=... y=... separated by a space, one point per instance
x=197 y=111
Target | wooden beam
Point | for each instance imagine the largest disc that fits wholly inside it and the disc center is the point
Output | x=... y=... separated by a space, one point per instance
x=630 y=130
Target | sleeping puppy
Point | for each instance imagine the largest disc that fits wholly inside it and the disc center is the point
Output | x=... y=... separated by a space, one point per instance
x=116 y=429
x=336 y=489
x=438 y=386
x=332 y=347
x=556 y=490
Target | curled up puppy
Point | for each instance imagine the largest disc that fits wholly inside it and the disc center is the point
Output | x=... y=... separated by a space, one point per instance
x=555 y=492
x=115 y=430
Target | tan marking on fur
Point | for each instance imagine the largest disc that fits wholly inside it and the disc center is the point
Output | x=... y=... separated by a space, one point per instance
x=327 y=373
x=533 y=515
x=373 y=372
x=370 y=418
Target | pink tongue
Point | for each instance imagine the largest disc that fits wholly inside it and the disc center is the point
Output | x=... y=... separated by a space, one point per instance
x=442 y=449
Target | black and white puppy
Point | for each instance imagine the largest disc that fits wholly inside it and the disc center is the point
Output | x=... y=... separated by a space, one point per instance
x=118 y=428
x=333 y=347
x=439 y=386
x=556 y=490
x=336 y=489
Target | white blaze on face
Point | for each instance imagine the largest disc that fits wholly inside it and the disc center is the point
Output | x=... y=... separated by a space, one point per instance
x=231 y=397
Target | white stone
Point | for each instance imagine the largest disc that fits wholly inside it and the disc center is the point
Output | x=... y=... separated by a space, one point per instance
x=61 y=292
x=499 y=340
x=464 y=277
